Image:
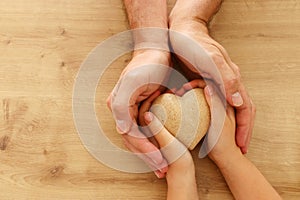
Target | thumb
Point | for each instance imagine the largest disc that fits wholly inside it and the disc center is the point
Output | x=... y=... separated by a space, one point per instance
x=236 y=99
x=234 y=95
x=122 y=117
x=121 y=102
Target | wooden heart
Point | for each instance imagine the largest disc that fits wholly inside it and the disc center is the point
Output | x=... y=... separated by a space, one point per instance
x=186 y=117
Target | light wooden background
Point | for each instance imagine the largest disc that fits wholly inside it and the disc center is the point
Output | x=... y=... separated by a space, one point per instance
x=42 y=44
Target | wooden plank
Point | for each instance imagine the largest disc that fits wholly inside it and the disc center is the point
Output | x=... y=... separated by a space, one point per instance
x=42 y=45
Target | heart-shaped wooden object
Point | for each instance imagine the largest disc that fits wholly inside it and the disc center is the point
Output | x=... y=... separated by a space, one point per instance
x=186 y=117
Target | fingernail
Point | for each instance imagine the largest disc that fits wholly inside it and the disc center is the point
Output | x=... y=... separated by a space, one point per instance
x=157 y=174
x=148 y=117
x=237 y=99
x=173 y=90
x=244 y=150
x=164 y=169
x=122 y=126
x=209 y=90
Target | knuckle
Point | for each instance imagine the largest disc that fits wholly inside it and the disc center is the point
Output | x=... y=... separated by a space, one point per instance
x=133 y=74
x=125 y=142
x=238 y=76
x=133 y=78
x=253 y=109
x=238 y=71
x=118 y=108
x=130 y=77
x=108 y=102
x=218 y=59
x=139 y=145
x=128 y=143
x=235 y=68
x=233 y=82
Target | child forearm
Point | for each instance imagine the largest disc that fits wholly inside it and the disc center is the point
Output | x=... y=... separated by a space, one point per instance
x=182 y=185
x=181 y=173
x=181 y=178
x=244 y=179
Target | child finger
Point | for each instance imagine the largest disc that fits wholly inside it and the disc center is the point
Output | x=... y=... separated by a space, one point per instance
x=171 y=148
x=160 y=133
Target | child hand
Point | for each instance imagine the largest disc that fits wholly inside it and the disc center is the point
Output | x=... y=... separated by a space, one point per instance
x=176 y=154
x=179 y=158
x=181 y=170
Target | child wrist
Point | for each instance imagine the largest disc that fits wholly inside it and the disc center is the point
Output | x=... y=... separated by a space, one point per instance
x=227 y=160
x=177 y=179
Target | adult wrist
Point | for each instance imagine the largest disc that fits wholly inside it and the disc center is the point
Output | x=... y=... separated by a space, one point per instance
x=177 y=17
x=200 y=11
x=155 y=53
x=151 y=38
x=187 y=23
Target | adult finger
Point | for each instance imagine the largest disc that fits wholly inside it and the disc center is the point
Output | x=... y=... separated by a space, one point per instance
x=146 y=105
x=135 y=86
x=230 y=75
x=232 y=84
x=208 y=92
x=171 y=91
x=245 y=148
x=159 y=170
x=232 y=87
x=197 y=83
x=123 y=98
x=108 y=101
x=218 y=115
x=141 y=145
x=237 y=96
x=244 y=121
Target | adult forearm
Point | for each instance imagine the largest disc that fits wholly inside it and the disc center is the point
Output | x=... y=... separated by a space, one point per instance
x=150 y=13
x=244 y=179
x=198 y=10
x=145 y=14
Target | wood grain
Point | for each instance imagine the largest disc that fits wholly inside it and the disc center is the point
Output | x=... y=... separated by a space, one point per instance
x=42 y=45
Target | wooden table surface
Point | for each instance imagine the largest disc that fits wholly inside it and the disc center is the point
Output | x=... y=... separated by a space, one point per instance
x=43 y=43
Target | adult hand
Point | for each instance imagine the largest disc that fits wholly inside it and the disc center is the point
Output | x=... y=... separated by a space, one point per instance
x=235 y=92
x=134 y=86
